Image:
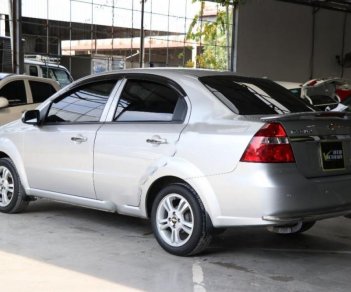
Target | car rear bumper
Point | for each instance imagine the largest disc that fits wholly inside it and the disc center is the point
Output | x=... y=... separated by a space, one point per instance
x=275 y=194
x=310 y=217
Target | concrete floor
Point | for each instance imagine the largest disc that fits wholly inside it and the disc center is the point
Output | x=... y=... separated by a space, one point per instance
x=56 y=247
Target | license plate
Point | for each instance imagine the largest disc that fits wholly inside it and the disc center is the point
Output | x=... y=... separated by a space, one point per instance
x=332 y=155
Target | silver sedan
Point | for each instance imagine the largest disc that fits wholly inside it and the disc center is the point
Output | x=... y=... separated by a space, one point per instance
x=193 y=150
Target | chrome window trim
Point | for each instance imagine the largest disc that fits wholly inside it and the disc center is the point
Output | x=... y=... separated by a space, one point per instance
x=104 y=112
x=114 y=104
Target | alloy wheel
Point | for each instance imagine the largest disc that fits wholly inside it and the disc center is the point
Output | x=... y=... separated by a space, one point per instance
x=175 y=220
x=6 y=186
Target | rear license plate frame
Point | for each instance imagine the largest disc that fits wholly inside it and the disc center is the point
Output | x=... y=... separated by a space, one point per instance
x=332 y=156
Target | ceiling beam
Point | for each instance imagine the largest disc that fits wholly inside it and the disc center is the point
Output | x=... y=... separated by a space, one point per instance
x=338 y=5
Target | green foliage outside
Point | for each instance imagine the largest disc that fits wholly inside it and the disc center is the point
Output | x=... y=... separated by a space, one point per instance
x=214 y=36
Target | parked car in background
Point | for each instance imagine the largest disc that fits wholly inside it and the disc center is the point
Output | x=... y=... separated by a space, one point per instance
x=293 y=87
x=344 y=106
x=46 y=68
x=193 y=150
x=21 y=92
x=343 y=88
x=321 y=94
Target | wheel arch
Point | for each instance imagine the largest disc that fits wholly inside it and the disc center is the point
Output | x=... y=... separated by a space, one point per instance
x=201 y=186
x=9 y=150
x=156 y=187
x=4 y=155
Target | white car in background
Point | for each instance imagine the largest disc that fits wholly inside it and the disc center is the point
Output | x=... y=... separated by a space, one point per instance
x=319 y=93
x=21 y=92
x=293 y=87
x=45 y=69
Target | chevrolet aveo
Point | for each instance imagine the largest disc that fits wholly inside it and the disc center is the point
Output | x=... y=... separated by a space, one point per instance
x=193 y=150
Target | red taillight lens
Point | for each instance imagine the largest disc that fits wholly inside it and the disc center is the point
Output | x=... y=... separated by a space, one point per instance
x=312 y=82
x=269 y=145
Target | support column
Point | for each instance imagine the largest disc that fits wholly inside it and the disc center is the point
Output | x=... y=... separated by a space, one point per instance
x=141 y=56
x=234 y=48
x=15 y=12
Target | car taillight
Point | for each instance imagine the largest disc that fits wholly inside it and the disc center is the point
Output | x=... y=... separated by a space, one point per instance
x=269 y=145
x=312 y=82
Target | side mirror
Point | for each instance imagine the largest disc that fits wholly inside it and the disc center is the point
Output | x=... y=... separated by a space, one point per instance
x=31 y=117
x=4 y=102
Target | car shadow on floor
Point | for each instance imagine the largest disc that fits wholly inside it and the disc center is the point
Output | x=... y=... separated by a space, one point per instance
x=122 y=249
x=325 y=236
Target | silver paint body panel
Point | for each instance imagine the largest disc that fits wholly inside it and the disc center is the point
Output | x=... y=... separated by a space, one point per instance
x=114 y=169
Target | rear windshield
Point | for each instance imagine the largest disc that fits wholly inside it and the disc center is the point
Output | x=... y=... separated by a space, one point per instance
x=57 y=74
x=253 y=96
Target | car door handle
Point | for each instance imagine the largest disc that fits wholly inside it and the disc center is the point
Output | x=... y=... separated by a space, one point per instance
x=156 y=140
x=79 y=139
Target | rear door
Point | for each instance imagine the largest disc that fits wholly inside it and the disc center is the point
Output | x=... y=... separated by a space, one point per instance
x=142 y=133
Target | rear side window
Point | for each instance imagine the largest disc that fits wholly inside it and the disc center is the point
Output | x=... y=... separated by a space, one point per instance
x=15 y=92
x=253 y=96
x=41 y=91
x=83 y=104
x=149 y=101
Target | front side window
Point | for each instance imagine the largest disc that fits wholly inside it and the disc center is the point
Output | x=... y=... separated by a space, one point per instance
x=83 y=104
x=147 y=101
x=15 y=92
x=41 y=90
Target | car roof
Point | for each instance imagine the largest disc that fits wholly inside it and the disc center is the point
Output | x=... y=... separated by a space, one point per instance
x=12 y=77
x=174 y=74
x=48 y=64
x=171 y=73
x=4 y=75
x=176 y=71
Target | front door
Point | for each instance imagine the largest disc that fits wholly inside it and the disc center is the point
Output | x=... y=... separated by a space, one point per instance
x=58 y=155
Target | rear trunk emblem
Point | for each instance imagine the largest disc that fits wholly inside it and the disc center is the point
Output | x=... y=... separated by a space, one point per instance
x=333 y=126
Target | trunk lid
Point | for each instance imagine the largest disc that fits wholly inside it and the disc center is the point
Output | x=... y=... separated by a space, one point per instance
x=321 y=141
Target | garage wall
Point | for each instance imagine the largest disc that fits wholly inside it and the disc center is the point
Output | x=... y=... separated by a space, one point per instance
x=275 y=40
x=347 y=71
x=328 y=42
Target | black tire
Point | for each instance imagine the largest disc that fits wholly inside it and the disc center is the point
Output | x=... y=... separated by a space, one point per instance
x=306 y=226
x=16 y=200
x=194 y=214
x=297 y=228
x=218 y=231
